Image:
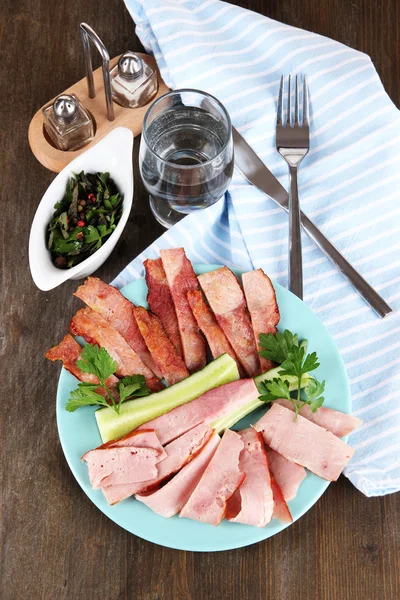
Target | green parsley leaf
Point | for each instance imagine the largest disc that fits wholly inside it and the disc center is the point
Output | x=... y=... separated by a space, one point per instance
x=272 y=390
x=134 y=385
x=84 y=395
x=314 y=390
x=286 y=350
x=91 y=234
x=97 y=361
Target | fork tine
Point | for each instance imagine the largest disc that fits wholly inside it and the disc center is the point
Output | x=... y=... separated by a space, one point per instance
x=279 y=116
x=289 y=103
x=296 y=103
x=305 y=102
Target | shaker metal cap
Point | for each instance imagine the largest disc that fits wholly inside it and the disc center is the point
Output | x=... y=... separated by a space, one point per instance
x=65 y=107
x=130 y=65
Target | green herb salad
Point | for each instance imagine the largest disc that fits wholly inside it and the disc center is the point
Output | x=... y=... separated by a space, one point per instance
x=84 y=219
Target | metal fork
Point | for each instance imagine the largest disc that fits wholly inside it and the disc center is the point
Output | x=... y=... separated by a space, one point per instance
x=293 y=143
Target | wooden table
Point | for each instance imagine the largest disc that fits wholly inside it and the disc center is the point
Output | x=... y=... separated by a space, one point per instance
x=55 y=543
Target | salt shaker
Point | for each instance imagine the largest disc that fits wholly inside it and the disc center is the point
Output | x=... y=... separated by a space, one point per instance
x=68 y=123
x=133 y=82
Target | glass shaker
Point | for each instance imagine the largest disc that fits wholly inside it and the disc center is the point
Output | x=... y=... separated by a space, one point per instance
x=133 y=82
x=68 y=123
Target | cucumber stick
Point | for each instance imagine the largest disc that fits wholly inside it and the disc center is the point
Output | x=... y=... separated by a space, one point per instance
x=136 y=412
x=229 y=420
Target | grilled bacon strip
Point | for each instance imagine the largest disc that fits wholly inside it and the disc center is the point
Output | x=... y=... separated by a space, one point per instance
x=226 y=298
x=181 y=280
x=118 y=312
x=168 y=361
x=160 y=301
x=208 y=324
x=96 y=330
x=263 y=308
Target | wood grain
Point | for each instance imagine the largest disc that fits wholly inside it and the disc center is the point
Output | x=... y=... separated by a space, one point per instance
x=55 y=545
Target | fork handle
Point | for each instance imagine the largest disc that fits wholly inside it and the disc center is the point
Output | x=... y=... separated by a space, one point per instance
x=295 y=257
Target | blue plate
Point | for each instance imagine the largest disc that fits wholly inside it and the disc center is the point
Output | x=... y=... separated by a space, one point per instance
x=78 y=433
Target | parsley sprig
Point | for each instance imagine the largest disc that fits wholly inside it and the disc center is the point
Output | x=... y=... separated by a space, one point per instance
x=286 y=350
x=98 y=362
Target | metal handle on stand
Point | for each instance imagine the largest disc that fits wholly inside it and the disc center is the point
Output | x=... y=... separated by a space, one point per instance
x=87 y=33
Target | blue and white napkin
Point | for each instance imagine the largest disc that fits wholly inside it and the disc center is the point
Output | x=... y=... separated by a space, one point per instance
x=349 y=184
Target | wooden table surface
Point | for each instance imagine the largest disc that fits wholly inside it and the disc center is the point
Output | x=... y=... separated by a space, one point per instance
x=55 y=543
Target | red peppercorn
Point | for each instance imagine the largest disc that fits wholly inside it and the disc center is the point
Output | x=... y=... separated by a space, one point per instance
x=81 y=223
x=92 y=197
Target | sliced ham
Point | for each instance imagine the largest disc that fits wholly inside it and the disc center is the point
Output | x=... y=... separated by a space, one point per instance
x=226 y=298
x=160 y=301
x=281 y=509
x=145 y=438
x=69 y=351
x=96 y=330
x=168 y=361
x=207 y=408
x=263 y=308
x=304 y=443
x=338 y=423
x=129 y=459
x=170 y=499
x=287 y=474
x=179 y=452
x=181 y=280
x=118 y=312
x=253 y=501
x=121 y=465
x=208 y=324
x=219 y=482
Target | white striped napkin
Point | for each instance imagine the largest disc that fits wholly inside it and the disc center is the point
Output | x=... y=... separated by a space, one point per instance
x=349 y=185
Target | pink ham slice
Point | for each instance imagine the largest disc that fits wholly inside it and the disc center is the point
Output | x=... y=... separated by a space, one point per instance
x=206 y=409
x=208 y=324
x=69 y=351
x=304 y=443
x=96 y=330
x=130 y=459
x=121 y=465
x=181 y=280
x=170 y=499
x=219 y=482
x=263 y=308
x=168 y=361
x=287 y=474
x=338 y=423
x=225 y=296
x=160 y=301
x=145 y=438
x=253 y=502
x=179 y=452
x=281 y=509
x=118 y=312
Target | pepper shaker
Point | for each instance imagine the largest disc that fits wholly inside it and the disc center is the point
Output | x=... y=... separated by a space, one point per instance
x=133 y=82
x=68 y=123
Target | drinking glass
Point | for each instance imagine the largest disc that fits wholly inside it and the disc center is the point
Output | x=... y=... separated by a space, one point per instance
x=186 y=154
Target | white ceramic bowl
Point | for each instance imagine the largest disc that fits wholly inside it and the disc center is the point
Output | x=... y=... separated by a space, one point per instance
x=112 y=154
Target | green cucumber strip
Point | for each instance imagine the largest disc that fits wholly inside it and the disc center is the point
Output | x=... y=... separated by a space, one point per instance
x=229 y=420
x=136 y=412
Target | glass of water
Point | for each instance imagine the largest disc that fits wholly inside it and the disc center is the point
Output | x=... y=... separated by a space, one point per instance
x=186 y=154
